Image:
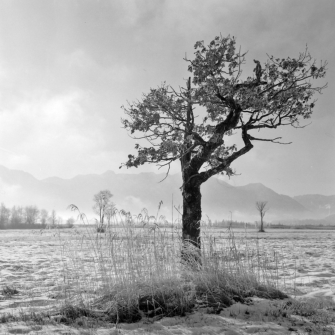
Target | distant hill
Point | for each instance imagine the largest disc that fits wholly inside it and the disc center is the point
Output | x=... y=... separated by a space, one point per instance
x=330 y=219
x=133 y=192
x=241 y=201
x=321 y=205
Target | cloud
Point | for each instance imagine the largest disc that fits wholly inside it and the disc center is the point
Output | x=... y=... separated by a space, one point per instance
x=51 y=133
x=80 y=64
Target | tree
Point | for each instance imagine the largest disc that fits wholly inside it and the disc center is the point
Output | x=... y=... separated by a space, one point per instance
x=110 y=212
x=261 y=207
x=16 y=216
x=4 y=215
x=102 y=203
x=44 y=216
x=31 y=214
x=70 y=222
x=190 y=124
x=53 y=218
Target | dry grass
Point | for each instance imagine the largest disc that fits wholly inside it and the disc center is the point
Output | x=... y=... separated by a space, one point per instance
x=134 y=270
x=9 y=291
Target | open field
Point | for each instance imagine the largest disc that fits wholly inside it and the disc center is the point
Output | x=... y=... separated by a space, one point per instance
x=48 y=268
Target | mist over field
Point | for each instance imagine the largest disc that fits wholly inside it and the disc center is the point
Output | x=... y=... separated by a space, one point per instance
x=133 y=192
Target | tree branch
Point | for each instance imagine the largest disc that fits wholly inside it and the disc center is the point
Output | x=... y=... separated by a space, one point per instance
x=227 y=161
x=267 y=140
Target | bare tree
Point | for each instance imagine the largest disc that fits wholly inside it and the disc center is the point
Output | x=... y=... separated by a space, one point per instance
x=53 y=218
x=261 y=207
x=4 y=215
x=44 y=216
x=109 y=212
x=31 y=214
x=16 y=216
x=101 y=204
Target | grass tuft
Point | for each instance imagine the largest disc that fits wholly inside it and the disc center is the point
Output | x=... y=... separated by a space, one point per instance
x=9 y=291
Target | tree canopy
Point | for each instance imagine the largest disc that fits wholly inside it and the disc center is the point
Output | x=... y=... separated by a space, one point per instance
x=280 y=94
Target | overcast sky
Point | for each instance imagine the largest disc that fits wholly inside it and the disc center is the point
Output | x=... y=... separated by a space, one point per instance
x=66 y=67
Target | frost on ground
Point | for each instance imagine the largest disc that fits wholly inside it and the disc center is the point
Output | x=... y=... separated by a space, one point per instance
x=32 y=280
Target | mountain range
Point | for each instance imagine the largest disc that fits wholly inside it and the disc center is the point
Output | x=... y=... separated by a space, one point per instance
x=133 y=192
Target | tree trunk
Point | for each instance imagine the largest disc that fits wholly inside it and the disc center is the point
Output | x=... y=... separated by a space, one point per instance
x=191 y=219
x=261 y=230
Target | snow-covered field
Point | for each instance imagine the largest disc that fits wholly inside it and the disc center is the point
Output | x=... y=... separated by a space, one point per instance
x=32 y=261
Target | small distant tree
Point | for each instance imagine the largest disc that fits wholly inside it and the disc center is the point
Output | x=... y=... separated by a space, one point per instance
x=44 y=216
x=70 y=222
x=110 y=212
x=31 y=214
x=16 y=216
x=261 y=207
x=102 y=201
x=193 y=124
x=53 y=218
x=4 y=215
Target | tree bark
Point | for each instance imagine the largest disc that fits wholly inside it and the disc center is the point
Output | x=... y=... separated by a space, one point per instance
x=261 y=230
x=191 y=218
x=192 y=214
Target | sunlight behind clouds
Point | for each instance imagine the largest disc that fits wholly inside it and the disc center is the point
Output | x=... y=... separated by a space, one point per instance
x=47 y=130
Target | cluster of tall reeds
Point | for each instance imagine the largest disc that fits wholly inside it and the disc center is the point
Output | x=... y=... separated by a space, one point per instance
x=134 y=269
